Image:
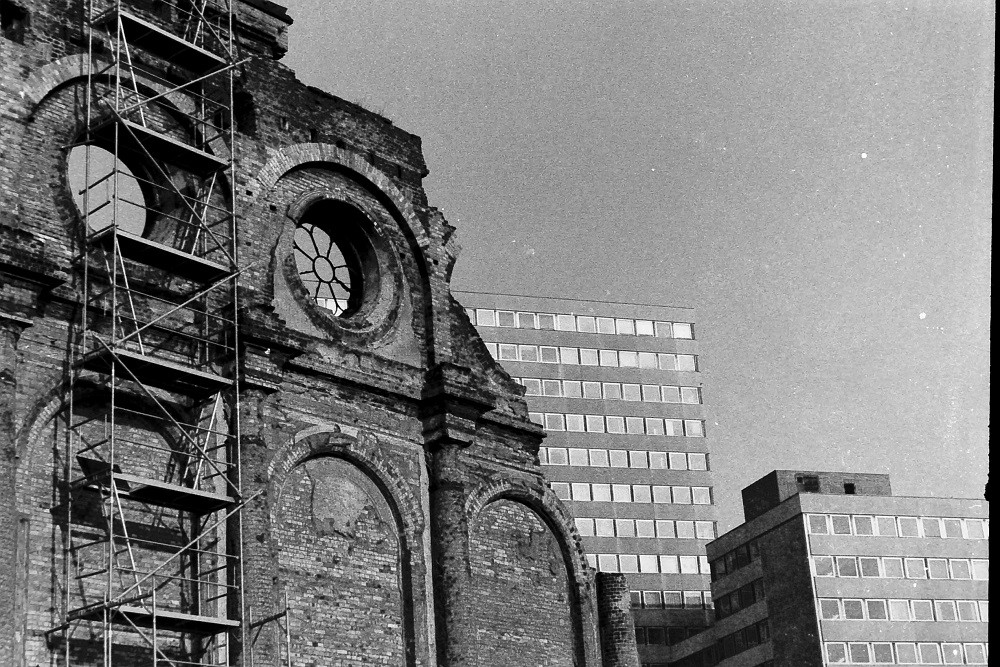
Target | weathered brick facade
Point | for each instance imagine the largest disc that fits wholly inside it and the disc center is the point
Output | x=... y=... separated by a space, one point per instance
x=396 y=499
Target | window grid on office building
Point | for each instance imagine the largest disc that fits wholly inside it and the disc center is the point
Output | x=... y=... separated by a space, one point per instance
x=615 y=424
x=611 y=391
x=865 y=525
x=646 y=528
x=585 y=356
x=889 y=609
x=618 y=326
x=906 y=653
x=901 y=567
x=622 y=458
x=632 y=493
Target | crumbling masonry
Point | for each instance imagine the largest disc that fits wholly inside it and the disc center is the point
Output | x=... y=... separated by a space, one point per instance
x=243 y=420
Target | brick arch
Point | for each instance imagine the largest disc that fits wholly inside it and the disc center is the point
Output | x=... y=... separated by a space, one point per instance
x=537 y=496
x=362 y=450
x=52 y=76
x=298 y=155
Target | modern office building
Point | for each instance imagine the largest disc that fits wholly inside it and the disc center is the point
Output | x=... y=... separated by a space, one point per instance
x=831 y=569
x=618 y=389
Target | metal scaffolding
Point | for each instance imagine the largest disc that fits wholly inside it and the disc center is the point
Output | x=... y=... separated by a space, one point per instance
x=150 y=480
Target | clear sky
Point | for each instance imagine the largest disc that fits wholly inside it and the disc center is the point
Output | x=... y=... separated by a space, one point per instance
x=815 y=178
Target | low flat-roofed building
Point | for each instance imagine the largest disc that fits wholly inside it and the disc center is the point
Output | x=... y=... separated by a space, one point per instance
x=831 y=569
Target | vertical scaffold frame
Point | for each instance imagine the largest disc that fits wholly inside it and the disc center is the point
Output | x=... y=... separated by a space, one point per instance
x=151 y=488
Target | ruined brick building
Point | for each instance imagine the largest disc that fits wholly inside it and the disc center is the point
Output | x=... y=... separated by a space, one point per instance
x=243 y=420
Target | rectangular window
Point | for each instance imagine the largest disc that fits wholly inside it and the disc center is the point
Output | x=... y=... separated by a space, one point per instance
x=687 y=362
x=932 y=527
x=536 y=417
x=574 y=423
x=621 y=493
x=984 y=611
x=555 y=422
x=876 y=610
x=701 y=495
x=565 y=323
x=651 y=600
x=980 y=569
x=612 y=390
x=829 y=609
x=886 y=526
x=952 y=528
x=952 y=654
x=960 y=568
x=689 y=564
x=605 y=325
x=548 y=354
x=595 y=424
x=581 y=491
x=854 y=610
x=557 y=456
x=508 y=352
x=847 y=566
x=532 y=387
x=551 y=388
x=604 y=527
x=616 y=424
x=864 y=525
x=945 y=610
x=607 y=562
x=818 y=524
x=561 y=489
x=661 y=494
x=974 y=529
x=690 y=395
x=869 y=566
x=937 y=568
x=670 y=394
x=599 y=458
x=546 y=321
x=647 y=360
x=915 y=568
x=672 y=600
x=882 y=653
x=624 y=327
x=899 y=610
x=836 y=652
x=578 y=457
x=651 y=393
x=841 y=524
x=681 y=494
x=630 y=392
x=644 y=528
x=641 y=494
x=629 y=563
x=643 y=328
x=909 y=526
x=975 y=654
x=592 y=390
x=637 y=459
x=664 y=330
x=906 y=653
x=698 y=461
x=585 y=527
x=624 y=527
x=694 y=428
x=859 y=652
x=601 y=492
x=683 y=330
x=705 y=530
x=588 y=357
x=634 y=425
x=648 y=563
x=921 y=610
x=628 y=359
x=619 y=458
x=608 y=357
x=654 y=426
x=664 y=528
x=492 y=349
x=569 y=356
x=930 y=654
x=892 y=568
x=658 y=460
x=667 y=362
x=693 y=600
x=572 y=389
x=685 y=530
x=585 y=324
x=526 y=321
x=505 y=318
x=967 y=610
x=485 y=318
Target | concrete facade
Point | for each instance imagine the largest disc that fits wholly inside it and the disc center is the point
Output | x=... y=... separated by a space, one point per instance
x=829 y=578
x=635 y=468
x=395 y=497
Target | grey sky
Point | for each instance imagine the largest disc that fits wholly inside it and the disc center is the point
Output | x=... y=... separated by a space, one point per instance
x=814 y=177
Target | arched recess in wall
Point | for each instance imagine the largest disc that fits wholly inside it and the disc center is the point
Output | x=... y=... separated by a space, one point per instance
x=412 y=241
x=520 y=559
x=341 y=550
x=56 y=518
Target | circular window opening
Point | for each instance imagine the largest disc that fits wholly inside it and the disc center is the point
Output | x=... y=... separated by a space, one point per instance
x=334 y=258
x=105 y=191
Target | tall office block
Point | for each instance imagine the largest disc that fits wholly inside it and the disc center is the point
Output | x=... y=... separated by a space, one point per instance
x=831 y=569
x=618 y=390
